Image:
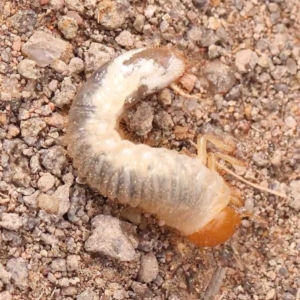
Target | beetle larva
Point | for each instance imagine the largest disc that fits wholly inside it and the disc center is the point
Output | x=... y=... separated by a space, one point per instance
x=179 y=189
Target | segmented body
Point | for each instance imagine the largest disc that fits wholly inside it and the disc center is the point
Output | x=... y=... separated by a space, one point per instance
x=179 y=189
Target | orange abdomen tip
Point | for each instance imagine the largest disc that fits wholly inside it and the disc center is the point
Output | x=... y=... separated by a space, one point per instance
x=217 y=231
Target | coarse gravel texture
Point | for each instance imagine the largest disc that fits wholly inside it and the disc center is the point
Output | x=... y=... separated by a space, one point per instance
x=61 y=240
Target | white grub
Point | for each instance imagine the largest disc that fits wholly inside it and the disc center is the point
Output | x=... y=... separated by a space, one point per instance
x=179 y=189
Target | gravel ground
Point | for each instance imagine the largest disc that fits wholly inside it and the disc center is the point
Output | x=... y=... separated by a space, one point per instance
x=61 y=240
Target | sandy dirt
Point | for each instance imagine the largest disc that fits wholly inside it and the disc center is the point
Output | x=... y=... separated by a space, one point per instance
x=244 y=56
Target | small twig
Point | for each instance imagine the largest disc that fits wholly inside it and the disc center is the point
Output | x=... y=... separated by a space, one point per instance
x=52 y=294
x=294 y=89
x=256 y=129
x=4 y=200
x=41 y=295
x=298 y=295
x=238 y=258
x=221 y=297
x=182 y=93
x=236 y=162
x=215 y=283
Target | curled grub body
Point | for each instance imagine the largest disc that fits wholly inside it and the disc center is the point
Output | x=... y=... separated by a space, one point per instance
x=177 y=188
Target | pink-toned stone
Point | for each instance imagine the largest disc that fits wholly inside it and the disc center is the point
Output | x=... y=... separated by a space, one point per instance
x=75 y=15
x=16 y=46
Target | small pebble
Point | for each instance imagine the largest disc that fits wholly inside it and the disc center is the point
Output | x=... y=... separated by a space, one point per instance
x=96 y=56
x=58 y=265
x=11 y=221
x=75 y=5
x=57 y=4
x=75 y=16
x=46 y=182
x=270 y=294
x=140 y=119
x=208 y=38
x=195 y=34
x=59 y=66
x=5 y=276
x=76 y=65
x=125 y=39
x=214 y=51
x=149 y=268
x=72 y=263
x=110 y=15
x=133 y=215
x=200 y=3
x=220 y=77
x=264 y=61
x=279 y=72
x=165 y=97
x=69 y=291
x=24 y=20
x=87 y=295
x=54 y=159
x=12 y=131
x=164 y=120
x=291 y=66
x=150 y=11
x=68 y=26
x=113 y=238
x=213 y=23
x=246 y=60
x=66 y=93
x=5 y=296
x=27 y=68
x=277 y=157
x=18 y=269
x=295 y=195
x=139 y=23
x=43 y=48
x=260 y=159
x=48 y=203
x=290 y=122
x=44 y=253
x=32 y=127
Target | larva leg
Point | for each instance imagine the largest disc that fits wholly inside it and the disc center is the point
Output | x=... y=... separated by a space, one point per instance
x=212 y=163
x=209 y=160
x=202 y=149
x=230 y=159
x=236 y=198
x=182 y=93
x=256 y=218
x=216 y=141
